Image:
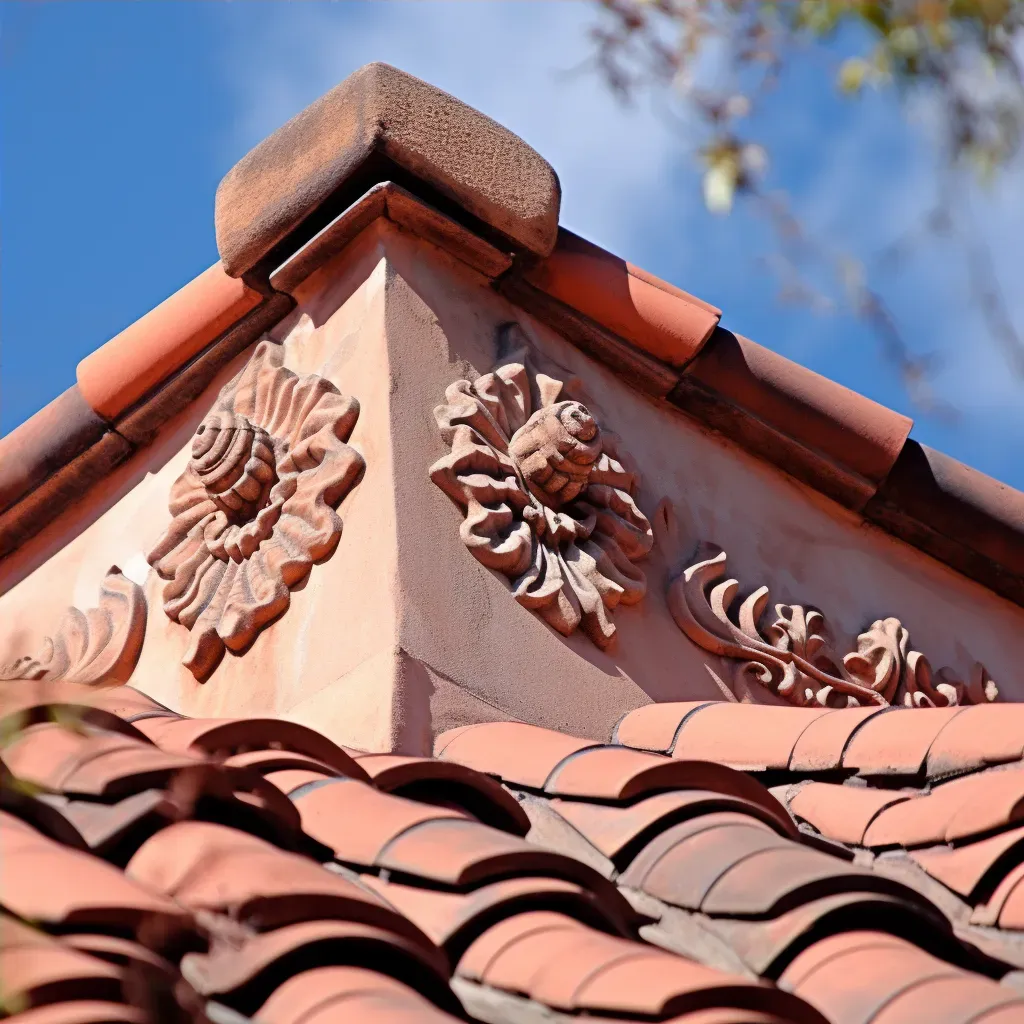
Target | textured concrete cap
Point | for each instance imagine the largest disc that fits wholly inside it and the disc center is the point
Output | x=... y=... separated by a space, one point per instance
x=381 y=111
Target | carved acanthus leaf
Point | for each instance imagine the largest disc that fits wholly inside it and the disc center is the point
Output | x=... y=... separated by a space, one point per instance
x=99 y=645
x=794 y=657
x=255 y=507
x=547 y=497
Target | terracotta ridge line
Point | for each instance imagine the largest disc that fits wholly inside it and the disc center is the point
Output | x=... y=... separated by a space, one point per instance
x=133 y=384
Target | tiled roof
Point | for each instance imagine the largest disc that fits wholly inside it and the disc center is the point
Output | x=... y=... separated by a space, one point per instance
x=378 y=146
x=714 y=863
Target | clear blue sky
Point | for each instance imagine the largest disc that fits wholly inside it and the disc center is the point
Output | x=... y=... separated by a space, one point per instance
x=118 y=120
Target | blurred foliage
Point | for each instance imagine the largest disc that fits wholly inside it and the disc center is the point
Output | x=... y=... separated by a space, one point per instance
x=721 y=58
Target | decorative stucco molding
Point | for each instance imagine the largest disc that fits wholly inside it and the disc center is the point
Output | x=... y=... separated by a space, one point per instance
x=548 y=499
x=255 y=508
x=794 y=658
x=100 y=645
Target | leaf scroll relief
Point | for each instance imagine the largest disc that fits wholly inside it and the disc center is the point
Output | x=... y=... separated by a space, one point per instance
x=256 y=504
x=794 y=657
x=547 y=498
x=99 y=645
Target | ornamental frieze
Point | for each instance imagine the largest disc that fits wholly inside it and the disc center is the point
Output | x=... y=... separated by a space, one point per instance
x=98 y=645
x=255 y=507
x=793 y=655
x=547 y=497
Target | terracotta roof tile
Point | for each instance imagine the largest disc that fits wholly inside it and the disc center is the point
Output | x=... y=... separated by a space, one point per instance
x=954 y=810
x=327 y=808
x=37 y=970
x=88 y=761
x=858 y=976
x=327 y=994
x=843 y=813
x=103 y=826
x=245 y=977
x=821 y=746
x=82 y=1011
x=1011 y=912
x=896 y=743
x=618 y=832
x=453 y=920
x=980 y=735
x=769 y=880
x=988 y=912
x=563 y=965
x=666 y=840
x=767 y=945
x=290 y=779
x=208 y=867
x=950 y=1001
x=745 y=736
x=709 y=859
x=458 y=852
x=45 y=882
x=477 y=962
x=654 y=726
x=120 y=372
x=222 y=737
x=521 y=754
x=686 y=871
x=963 y=868
x=121 y=952
x=446 y=783
x=657 y=317
x=621 y=774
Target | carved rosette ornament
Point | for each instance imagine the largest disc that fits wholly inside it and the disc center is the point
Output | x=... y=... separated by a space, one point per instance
x=99 y=645
x=255 y=507
x=547 y=499
x=794 y=657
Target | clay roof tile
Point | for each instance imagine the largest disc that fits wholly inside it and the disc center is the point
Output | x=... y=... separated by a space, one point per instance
x=618 y=832
x=856 y=976
x=897 y=743
x=45 y=882
x=244 y=978
x=821 y=746
x=327 y=994
x=524 y=755
x=951 y=1001
x=461 y=852
x=654 y=726
x=445 y=782
x=622 y=774
x=981 y=735
x=843 y=813
x=330 y=810
x=238 y=735
x=454 y=920
x=964 y=868
x=83 y=1011
x=749 y=736
x=209 y=867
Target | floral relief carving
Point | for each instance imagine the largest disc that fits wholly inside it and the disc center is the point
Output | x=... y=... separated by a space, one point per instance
x=255 y=507
x=793 y=656
x=547 y=497
x=100 y=645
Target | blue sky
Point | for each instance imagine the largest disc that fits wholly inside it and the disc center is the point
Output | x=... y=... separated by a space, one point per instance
x=118 y=120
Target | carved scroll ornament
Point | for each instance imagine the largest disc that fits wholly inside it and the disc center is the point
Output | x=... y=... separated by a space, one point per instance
x=100 y=645
x=255 y=507
x=547 y=499
x=794 y=657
